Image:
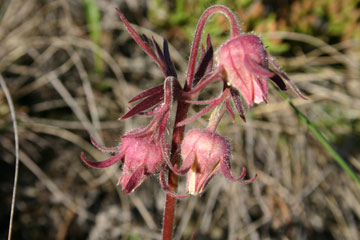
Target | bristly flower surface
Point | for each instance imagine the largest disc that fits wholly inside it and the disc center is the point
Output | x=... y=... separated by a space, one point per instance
x=141 y=157
x=245 y=67
x=205 y=154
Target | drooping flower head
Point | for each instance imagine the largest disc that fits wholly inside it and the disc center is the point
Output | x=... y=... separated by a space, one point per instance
x=202 y=152
x=205 y=154
x=244 y=62
x=142 y=151
x=141 y=156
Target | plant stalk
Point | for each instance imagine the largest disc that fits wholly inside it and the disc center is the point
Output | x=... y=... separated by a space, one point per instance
x=170 y=204
x=235 y=30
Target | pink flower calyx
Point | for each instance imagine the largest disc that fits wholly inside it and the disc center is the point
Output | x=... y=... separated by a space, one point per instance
x=245 y=67
x=244 y=62
x=141 y=157
x=142 y=151
x=204 y=155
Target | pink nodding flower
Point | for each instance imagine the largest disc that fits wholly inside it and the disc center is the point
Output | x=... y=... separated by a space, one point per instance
x=142 y=151
x=244 y=62
x=141 y=156
x=204 y=155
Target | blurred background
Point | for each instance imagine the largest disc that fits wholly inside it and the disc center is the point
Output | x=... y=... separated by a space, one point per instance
x=71 y=68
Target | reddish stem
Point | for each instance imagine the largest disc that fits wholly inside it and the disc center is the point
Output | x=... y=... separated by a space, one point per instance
x=235 y=30
x=178 y=134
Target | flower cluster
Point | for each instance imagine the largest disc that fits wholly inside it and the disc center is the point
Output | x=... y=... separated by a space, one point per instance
x=244 y=67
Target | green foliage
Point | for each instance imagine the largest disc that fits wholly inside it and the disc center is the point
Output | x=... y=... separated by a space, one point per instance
x=185 y=14
x=93 y=19
x=135 y=237
x=325 y=19
x=328 y=20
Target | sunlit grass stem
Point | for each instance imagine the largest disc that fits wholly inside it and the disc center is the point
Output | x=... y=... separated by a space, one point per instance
x=322 y=140
x=16 y=137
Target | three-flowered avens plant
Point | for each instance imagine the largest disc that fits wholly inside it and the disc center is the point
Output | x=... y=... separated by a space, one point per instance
x=244 y=67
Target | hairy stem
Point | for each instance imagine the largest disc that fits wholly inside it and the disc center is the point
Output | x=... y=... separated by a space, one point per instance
x=235 y=30
x=170 y=204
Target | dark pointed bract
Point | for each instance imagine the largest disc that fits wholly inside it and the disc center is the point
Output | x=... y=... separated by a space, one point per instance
x=235 y=95
x=279 y=82
x=205 y=63
x=147 y=103
x=170 y=68
x=152 y=91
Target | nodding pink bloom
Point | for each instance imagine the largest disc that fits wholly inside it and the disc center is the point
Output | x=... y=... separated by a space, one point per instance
x=204 y=155
x=141 y=156
x=142 y=151
x=244 y=62
x=243 y=66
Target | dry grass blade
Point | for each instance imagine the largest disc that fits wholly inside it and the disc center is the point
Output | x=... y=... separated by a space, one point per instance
x=64 y=93
x=51 y=186
x=76 y=140
x=16 y=136
x=89 y=93
x=144 y=212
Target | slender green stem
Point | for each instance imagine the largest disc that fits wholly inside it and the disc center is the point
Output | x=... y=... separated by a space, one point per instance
x=322 y=140
x=93 y=20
